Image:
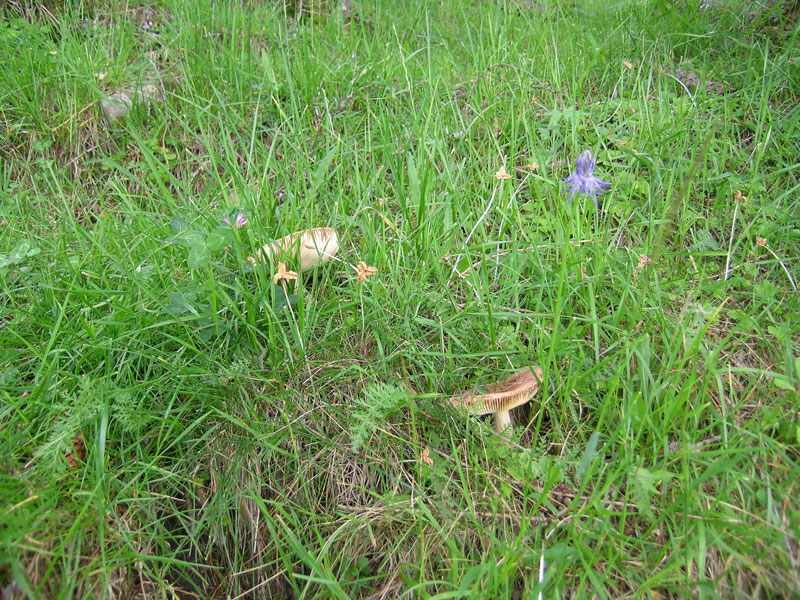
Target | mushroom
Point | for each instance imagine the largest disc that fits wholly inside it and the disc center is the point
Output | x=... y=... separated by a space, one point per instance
x=121 y=102
x=313 y=246
x=501 y=397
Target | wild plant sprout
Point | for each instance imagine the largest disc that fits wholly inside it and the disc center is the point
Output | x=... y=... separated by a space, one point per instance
x=583 y=179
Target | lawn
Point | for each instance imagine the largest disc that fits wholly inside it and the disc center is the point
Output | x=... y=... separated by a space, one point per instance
x=178 y=422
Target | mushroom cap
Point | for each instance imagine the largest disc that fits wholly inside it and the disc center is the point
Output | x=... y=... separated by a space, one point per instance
x=514 y=390
x=313 y=246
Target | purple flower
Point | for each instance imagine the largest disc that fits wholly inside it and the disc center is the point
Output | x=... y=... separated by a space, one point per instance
x=240 y=222
x=583 y=179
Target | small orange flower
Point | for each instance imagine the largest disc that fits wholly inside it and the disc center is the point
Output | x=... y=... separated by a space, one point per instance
x=761 y=242
x=644 y=260
x=532 y=167
x=739 y=197
x=364 y=271
x=628 y=65
x=502 y=174
x=425 y=457
x=283 y=274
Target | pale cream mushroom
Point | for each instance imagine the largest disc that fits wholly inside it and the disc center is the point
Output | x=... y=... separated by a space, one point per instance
x=312 y=246
x=120 y=103
x=499 y=398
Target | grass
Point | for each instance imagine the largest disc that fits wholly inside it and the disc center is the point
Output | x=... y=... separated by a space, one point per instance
x=173 y=428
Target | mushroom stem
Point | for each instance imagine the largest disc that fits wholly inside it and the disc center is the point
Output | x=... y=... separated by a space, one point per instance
x=500 y=397
x=502 y=421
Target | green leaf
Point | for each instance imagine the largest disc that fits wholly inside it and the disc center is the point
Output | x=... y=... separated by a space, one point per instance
x=282 y=301
x=208 y=328
x=765 y=289
x=9 y=375
x=178 y=304
x=218 y=239
x=783 y=383
x=744 y=320
x=321 y=171
x=647 y=479
x=177 y=224
x=588 y=454
x=506 y=490
x=703 y=241
x=199 y=256
x=379 y=402
x=191 y=238
x=523 y=466
x=463 y=265
x=19 y=252
x=413 y=180
x=560 y=550
x=781 y=333
x=643 y=487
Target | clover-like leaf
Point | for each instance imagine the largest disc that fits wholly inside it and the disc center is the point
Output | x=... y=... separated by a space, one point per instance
x=19 y=252
x=177 y=225
x=283 y=300
x=191 y=238
x=219 y=238
x=199 y=256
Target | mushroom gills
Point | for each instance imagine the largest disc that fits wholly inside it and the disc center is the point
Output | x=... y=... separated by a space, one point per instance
x=499 y=398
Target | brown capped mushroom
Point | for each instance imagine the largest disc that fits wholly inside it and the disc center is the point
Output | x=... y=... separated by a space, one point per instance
x=501 y=397
x=312 y=246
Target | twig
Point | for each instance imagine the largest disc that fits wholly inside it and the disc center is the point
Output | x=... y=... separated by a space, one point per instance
x=77 y=114
x=258 y=585
x=503 y=220
x=780 y=262
x=454 y=266
x=542 y=565
x=478 y=222
x=683 y=85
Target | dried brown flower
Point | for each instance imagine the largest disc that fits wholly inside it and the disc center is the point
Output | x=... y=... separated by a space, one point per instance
x=502 y=174
x=283 y=274
x=365 y=270
x=425 y=456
